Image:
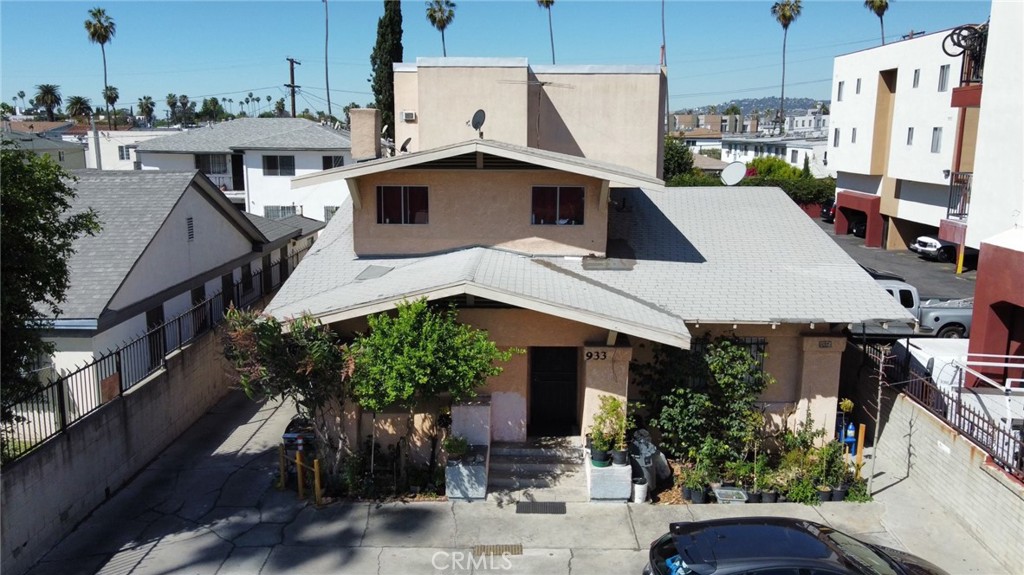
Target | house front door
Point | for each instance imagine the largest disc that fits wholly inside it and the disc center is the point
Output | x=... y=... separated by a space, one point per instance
x=553 y=388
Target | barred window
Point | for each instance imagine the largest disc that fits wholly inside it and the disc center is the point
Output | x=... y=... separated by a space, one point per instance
x=210 y=163
x=278 y=212
x=333 y=162
x=329 y=212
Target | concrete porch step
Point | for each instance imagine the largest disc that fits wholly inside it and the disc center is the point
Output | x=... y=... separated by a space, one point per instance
x=568 y=449
x=525 y=465
x=511 y=481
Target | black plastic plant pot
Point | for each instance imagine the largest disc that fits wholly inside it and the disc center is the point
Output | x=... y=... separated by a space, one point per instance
x=699 y=495
x=599 y=458
x=620 y=457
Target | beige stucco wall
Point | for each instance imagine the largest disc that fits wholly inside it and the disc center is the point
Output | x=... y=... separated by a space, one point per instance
x=463 y=206
x=407 y=99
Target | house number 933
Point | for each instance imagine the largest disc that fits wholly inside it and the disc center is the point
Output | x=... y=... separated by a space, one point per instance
x=595 y=355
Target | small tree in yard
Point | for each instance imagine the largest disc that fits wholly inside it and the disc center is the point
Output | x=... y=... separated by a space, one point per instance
x=307 y=365
x=701 y=402
x=418 y=353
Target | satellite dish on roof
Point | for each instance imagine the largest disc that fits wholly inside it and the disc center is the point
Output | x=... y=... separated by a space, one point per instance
x=478 y=121
x=733 y=173
x=405 y=145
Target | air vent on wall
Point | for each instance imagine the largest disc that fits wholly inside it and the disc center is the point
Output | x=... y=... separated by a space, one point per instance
x=408 y=116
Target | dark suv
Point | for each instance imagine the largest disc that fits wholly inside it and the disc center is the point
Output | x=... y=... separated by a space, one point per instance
x=828 y=211
x=773 y=546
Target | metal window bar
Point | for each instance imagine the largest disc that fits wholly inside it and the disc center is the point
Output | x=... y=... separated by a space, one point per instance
x=959 y=195
x=62 y=402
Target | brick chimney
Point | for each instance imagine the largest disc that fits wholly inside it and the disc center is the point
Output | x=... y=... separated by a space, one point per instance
x=365 y=130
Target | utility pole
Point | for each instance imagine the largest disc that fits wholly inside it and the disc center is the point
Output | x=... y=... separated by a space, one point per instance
x=327 y=76
x=292 y=62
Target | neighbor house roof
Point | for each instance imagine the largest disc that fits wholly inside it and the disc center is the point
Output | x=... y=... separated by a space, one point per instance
x=251 y=134
x=131 y=207
x=708 y=164
x=699 y=255
x=534 y=156
x=307 y=225
x=29 y=141
x=273 y=229
x=40 y=126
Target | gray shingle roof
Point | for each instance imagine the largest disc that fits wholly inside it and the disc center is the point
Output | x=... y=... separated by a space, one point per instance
x=273 y=229
x=252 y=134
x=101 y=262
x=307 y=225
x=717 y=255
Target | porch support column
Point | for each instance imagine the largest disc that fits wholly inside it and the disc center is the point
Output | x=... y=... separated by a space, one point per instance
x=605 y=372
x=819 y=381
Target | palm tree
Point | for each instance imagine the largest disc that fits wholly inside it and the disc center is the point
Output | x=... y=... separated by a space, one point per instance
x=440 y=14
x=785 y=12
x=269 y=99
x=48 y=96
x=183 y=102
x=110 y=96
x=249 y=100
x=551 y=31
x=279 y=108
x=21 y=96
x=101 y=29
x=172 y=104
x=146 y=108
x=879 y=7
x=78 y=106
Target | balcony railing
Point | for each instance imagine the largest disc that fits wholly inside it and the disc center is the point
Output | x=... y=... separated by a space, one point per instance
x=959 y=195
x=969 y=40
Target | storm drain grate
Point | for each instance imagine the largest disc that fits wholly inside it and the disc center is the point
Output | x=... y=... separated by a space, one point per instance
x=481 y=550
x=541 y=507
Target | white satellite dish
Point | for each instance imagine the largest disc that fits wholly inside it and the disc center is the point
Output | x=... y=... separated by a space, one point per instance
x=733 y=173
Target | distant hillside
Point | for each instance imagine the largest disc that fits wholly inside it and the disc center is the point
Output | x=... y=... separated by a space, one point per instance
x=749 y=105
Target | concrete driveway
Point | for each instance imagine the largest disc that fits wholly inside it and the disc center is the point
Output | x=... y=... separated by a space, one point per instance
x=207 y=505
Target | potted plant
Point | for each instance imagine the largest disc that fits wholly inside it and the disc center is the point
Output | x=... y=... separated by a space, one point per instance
x=697 y=482
x=611 y=420
x=767 y=483
x=599 y=445
x=455 y=446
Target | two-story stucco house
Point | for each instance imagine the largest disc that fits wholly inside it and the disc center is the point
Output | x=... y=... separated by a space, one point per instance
x=254 y=159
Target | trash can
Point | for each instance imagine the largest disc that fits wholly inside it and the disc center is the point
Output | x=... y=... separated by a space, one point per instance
x=643 y=454
x=639 y=490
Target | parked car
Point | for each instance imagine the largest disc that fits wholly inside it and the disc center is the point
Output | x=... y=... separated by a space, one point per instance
x=298 y=433
x=934 y=248
x=859 y=226
x=773 y=545
x=828 y=211
x=935 y=317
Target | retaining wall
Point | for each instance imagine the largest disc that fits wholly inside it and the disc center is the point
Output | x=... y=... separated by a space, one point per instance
x=48 y=492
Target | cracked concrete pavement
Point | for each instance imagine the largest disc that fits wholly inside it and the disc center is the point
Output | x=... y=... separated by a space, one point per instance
x=208 y=505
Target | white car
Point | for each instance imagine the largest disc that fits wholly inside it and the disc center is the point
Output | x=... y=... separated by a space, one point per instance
x=934 y=248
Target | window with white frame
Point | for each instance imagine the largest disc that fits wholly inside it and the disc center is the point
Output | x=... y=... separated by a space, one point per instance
x=557 y=205
x=123 y=153
x=936 y=140
x=910 y=136
x=402 y=205
x=858 y=85
x=278 y=212
x=211 y=163
x=333 y=162
x=835 y=138
x=278 y=165
x=329 y=212
x=917 y=77
x=792 y=157
x=839 y=93
x=944 y=78
x=853 y=136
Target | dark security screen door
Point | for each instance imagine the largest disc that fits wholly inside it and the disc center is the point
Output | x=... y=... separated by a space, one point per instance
x=553 y=383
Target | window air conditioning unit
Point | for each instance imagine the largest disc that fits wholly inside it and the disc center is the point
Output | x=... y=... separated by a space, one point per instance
x=408 y=116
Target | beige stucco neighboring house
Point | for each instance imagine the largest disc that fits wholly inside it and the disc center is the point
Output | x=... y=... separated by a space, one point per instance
x=586 y=265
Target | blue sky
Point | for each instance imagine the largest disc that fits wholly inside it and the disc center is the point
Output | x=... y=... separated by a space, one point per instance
x=717 y=50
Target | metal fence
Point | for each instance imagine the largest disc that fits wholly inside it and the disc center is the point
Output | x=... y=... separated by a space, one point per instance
x=997 y=438
x=73 y=396
x=959 y=205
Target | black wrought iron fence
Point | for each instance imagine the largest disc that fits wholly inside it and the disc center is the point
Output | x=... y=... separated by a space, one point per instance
x=75 y=395
x=1003 y=443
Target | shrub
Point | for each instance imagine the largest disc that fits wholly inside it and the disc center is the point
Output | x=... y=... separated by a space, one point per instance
x=455 y=446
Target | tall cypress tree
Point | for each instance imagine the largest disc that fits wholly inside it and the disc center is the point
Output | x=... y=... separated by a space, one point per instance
x=386 y=52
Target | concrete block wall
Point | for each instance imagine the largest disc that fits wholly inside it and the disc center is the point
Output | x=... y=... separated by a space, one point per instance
x=956 y=473
x=46 y=494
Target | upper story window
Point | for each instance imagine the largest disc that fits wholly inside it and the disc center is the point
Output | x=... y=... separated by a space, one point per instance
x=278 y=212
x=917 y=77
x=853 y=136
x=839 y=93
x=402 y=205
x=910 y=136
x=858 y=85
x=835 y=138
x=209 y=163
x=944 y=78
x=936 y=140
x=329 y=212
x=792 y=157
x=333 y=162
x=123 y=153
x=278 y=165
x=557 y=205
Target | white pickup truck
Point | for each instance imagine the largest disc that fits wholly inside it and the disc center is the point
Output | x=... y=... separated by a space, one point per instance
x=935 y=317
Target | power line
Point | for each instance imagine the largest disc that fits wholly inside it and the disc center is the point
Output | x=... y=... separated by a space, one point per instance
x=745 y=90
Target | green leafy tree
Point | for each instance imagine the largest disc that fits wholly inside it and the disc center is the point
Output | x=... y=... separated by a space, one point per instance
x=386 y=52
x=806 y=172
x=348 y=118
x=879 y=7
x=110 y=96
x=37 y=234
x=678 y=159
x=785 y=12
x=78 y=106
x=48 y=96
x=279 y=108
x=101 y=29
x=551 y=30
x=701 y=401
x=772 y=168
x=440 y=14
